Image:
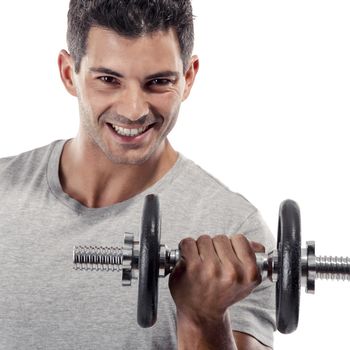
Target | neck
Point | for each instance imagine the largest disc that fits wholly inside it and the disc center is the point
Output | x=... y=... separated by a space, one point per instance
x=95 y=181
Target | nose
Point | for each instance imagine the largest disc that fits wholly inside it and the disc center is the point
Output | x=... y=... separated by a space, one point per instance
x=132 y=103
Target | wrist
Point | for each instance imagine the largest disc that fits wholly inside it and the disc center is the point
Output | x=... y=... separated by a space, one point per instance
x=201 y=322
x=204 y=333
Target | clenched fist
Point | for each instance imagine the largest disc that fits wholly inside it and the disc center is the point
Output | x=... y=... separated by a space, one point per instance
x=211 y=275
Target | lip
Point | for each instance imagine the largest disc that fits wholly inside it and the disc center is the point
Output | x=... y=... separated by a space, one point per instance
x=130 y=140
x=130 y=126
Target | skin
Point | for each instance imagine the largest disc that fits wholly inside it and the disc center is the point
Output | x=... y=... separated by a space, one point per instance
x=97 y=169
x=213 y=274
x=134 y=83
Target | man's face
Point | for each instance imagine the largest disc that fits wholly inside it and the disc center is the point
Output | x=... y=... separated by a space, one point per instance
x=129 y=93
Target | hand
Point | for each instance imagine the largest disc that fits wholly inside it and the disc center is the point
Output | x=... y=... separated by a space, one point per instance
x=213 y=274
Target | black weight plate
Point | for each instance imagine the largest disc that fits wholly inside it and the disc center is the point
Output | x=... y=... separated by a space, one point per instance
x=149 y=263
x=289 y=269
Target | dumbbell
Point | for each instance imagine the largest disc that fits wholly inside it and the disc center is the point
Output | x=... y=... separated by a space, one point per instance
x=289 y=266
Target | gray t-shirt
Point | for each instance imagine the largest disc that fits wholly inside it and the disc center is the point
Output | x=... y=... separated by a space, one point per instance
x=45 y=304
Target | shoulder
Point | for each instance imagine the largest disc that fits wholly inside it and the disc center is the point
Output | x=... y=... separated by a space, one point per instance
x=210 y=204
x=202 y=198
x=25 y=165
x=203 y=186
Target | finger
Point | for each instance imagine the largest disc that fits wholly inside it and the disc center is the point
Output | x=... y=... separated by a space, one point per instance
x=189 y=250
x=246 y=255
x=225 y=250
x=206 y=249
x=243 y=249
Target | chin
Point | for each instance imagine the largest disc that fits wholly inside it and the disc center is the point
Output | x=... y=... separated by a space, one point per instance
x=132 y=155
x=132 y=159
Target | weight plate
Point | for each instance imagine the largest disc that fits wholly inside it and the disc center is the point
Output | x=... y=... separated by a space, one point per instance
x=149 y=263
x=289 y=269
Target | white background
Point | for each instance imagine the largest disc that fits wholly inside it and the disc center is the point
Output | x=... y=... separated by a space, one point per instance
x=268 y=116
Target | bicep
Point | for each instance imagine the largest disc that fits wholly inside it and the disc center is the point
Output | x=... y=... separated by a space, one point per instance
x=245 y=341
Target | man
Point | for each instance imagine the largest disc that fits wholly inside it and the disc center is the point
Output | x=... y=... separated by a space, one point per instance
x=130 y=65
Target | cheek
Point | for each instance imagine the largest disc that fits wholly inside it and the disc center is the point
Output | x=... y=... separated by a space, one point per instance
x=167 y=104
x=95 y=103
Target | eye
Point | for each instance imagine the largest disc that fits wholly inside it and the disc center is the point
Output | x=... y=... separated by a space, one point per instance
x=160 y=82
x=108 y=79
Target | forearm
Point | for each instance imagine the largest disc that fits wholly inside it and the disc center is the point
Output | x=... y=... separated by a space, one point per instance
x=205 y=335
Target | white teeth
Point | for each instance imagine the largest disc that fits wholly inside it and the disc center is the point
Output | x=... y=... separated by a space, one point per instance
x=128 y=132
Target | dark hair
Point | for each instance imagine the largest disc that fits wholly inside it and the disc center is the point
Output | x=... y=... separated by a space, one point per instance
x=130 y=18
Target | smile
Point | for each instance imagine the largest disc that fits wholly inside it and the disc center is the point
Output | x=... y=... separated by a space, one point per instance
x=129 y=132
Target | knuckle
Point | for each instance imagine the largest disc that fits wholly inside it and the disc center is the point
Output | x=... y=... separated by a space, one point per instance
x=193 y=268
x=232 y=273
x=240 y=237
x=232 y=277
x=186 y=242
x=212 y=271
x=203 y=272
x=220 y=238
x=203 y=238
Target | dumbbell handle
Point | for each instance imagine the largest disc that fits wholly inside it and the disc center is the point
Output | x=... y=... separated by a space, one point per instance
x=126 y=260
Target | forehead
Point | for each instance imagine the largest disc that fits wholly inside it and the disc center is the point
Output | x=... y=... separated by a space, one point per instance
x=154 y=51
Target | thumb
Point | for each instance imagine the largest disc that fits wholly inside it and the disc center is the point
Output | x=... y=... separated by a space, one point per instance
x=257 y=247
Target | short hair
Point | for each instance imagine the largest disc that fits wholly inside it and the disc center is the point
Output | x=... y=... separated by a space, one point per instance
x=129 y=18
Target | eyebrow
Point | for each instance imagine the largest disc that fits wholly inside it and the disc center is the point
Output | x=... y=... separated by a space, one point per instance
x=108 y=71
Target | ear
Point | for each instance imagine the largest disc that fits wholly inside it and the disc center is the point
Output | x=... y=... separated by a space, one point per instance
x=190 y=76
x=66 y=67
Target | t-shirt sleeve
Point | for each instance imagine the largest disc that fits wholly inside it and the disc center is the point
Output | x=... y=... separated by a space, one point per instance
x=255 y=315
